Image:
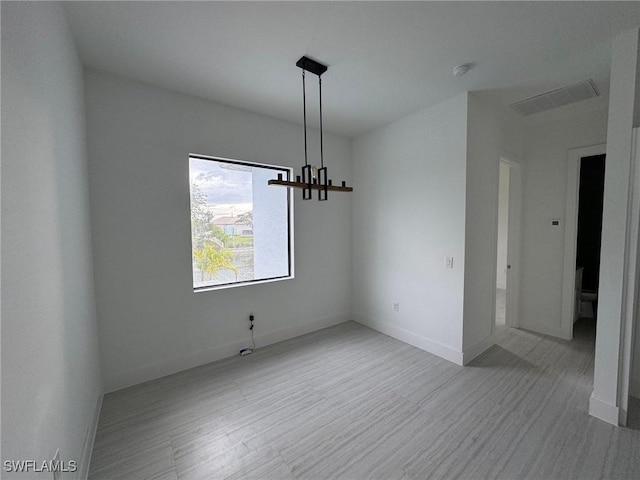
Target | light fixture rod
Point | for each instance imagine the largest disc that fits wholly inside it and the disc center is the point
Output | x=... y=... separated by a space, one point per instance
x=304 y=109
x=321 y=145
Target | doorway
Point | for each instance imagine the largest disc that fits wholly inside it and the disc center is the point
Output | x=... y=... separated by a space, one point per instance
x=507 y=245
x=503 y=239
x=583 y=229
x=588 y=242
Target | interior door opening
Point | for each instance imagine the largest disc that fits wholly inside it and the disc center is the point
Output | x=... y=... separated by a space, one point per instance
x=588 y=243
x=508 y=244
x=502 y=265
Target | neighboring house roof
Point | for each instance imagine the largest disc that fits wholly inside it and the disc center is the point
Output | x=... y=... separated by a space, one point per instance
x=225 y=221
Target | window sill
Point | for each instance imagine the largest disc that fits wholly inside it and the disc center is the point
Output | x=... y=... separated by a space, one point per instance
x=241 y=284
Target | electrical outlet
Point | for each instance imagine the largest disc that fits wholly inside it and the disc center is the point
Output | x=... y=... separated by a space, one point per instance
x=448 y=263
x=396 y=306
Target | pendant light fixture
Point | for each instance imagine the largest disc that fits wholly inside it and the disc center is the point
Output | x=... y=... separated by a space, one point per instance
x=312 y=178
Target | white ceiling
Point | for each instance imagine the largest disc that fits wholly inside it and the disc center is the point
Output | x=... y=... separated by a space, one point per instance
x=386 y=59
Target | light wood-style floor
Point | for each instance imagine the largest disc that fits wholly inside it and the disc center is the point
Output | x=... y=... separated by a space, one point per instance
x=350 y=403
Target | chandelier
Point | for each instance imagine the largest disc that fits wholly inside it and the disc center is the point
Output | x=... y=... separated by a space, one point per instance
x=312 y=177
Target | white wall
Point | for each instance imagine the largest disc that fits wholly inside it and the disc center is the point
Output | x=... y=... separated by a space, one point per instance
x=634 y=384
x=150 y=321
x=437 y=171
x=606 y=398
x=50 y=364
x=503 y=226
x=545 y=154
x=489 y=136
x=635 y=372
x=270 y=232
x=412 y=172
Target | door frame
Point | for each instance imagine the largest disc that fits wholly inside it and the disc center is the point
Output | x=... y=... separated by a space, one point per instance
x=631 y=289
x=513 y=242
x=574 y=158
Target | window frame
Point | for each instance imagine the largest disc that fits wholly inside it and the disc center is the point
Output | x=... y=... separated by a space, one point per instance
x=287 y=173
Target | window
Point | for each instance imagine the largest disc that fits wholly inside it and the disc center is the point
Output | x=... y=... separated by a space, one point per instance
x=241 y=229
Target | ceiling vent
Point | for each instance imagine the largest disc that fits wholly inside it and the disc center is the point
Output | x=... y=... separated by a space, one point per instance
x=557 y=98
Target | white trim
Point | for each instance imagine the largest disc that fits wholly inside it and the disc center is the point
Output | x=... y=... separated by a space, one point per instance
x=630 y=288
x=513 y=243
x=475 y=350
x=202 y=357
x=419 y=341
x=494 y=241
x=604 y=411
x=512 y=310
x=90 y=437
x=570 y=234
x=213 y=288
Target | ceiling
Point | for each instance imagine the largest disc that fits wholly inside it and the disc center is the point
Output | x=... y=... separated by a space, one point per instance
x=386 y=59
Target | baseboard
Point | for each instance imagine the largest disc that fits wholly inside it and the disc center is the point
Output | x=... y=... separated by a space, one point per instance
x=270 y=338
x=412 y=338
x=604 y=411
x=184 y=362
x=90 y=437
x=472 y=352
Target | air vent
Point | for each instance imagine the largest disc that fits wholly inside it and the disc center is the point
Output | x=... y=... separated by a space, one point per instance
x=557 y=98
